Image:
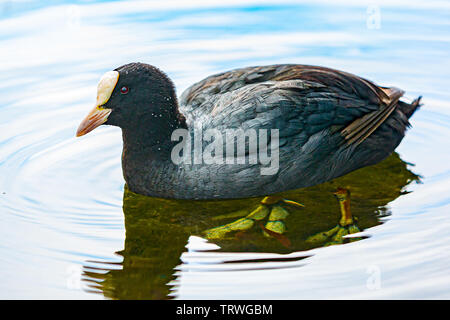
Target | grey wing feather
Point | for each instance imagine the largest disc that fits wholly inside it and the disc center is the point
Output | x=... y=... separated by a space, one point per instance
x=292 y=98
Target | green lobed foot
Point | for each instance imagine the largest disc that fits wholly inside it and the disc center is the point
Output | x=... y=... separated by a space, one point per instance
x=275 y=224
x=335 y=235
x=239 y=225
x=276 y=220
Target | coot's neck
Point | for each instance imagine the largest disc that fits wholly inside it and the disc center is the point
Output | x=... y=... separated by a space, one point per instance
x=146 y=158
x=150 y=136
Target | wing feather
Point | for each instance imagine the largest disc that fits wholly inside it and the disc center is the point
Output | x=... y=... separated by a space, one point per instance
x=302 y=91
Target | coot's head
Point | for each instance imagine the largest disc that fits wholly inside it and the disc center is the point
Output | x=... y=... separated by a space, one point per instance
x=131 y=96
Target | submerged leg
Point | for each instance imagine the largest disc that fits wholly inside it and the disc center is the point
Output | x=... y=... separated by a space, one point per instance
x=269 y=204
x=347 y=223
x=239 y=225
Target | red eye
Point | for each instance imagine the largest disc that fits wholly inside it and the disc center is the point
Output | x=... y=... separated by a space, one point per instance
x=124 y=90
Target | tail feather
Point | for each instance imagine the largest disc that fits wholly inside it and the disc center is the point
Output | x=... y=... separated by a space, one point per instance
x=408 y=109
x=361 y=128
x=358 y=131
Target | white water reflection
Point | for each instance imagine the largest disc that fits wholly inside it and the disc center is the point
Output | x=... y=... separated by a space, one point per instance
x=61 y=197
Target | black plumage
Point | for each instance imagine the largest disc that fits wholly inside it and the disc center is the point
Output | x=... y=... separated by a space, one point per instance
x=330 y=123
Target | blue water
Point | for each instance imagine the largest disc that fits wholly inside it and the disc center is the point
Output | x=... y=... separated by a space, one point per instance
x=61 y=197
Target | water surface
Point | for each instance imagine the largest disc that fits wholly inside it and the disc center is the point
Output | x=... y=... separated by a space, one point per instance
x=69 y=227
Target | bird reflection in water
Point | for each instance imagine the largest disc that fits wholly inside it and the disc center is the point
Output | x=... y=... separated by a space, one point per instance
x=157 y=229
